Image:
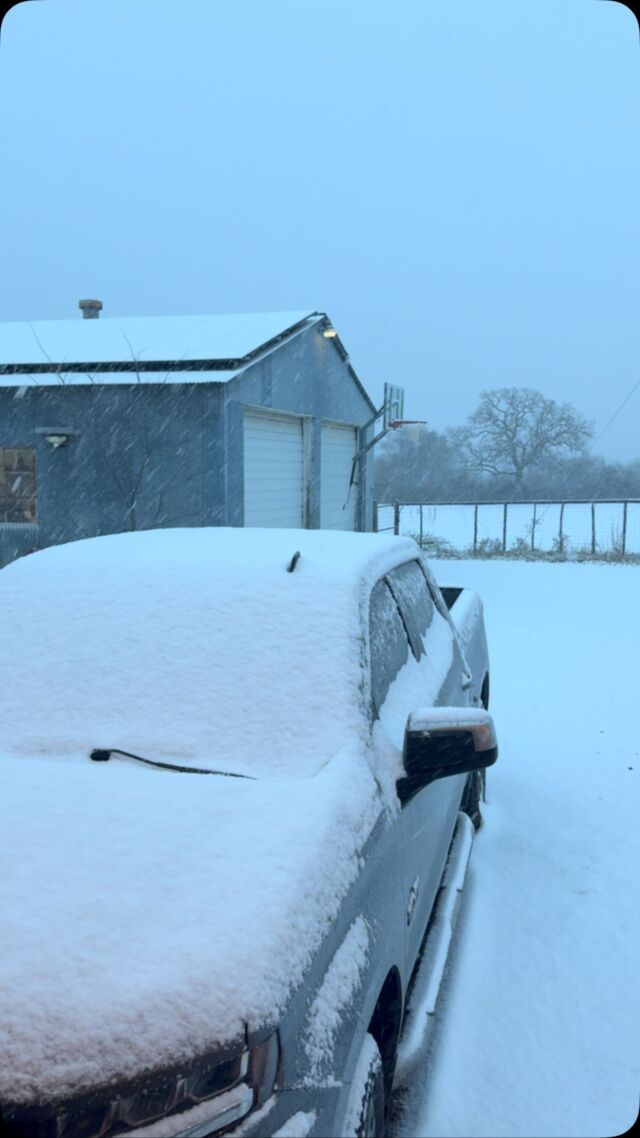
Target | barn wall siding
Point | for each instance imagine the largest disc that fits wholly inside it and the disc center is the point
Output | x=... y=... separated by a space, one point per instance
x=170 y=454
x=305 y=376
x=139 y=457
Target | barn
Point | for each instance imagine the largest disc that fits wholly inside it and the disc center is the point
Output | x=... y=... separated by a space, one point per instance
x=113 y=424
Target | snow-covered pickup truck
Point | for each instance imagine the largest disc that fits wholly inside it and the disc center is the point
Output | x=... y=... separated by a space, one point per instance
x=238 y=772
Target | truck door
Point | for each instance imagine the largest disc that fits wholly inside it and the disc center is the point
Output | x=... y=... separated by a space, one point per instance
x=435 y=676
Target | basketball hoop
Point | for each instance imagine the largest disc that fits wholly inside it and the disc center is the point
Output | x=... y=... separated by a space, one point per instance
x=412 y=427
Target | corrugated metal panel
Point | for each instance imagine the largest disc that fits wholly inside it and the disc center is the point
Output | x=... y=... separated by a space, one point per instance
x=16 y=539
x=338 y=504
x=273 y=471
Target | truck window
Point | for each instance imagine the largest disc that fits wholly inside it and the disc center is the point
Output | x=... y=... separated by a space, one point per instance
x=388 y=644
x=410 y=588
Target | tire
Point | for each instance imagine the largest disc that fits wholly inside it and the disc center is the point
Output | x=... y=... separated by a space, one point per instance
x=364 y=1116
x=474 y=796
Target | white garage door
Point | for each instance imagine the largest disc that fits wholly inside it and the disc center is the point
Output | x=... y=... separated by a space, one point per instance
x=273 y=480
x=338 y=504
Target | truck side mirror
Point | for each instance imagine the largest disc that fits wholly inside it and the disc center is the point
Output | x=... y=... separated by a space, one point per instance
x=443 y=741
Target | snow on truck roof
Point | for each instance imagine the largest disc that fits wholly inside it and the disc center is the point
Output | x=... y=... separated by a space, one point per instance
x=192 y=645
x=232 y=338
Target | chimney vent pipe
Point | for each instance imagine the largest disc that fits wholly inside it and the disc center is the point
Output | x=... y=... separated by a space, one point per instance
x=90 y=308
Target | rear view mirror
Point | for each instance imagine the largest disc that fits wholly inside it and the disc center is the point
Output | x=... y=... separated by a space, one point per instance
x=443 y=741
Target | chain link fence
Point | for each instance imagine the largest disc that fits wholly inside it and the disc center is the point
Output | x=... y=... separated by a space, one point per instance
x=570 y=529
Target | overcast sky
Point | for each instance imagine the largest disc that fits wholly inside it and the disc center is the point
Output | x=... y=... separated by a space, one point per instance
x=455 y=183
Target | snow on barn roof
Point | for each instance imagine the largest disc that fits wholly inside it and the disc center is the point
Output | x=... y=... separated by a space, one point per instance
x=43 y=351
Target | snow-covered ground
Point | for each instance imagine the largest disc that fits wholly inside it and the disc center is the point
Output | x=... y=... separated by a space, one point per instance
x=538 y=1025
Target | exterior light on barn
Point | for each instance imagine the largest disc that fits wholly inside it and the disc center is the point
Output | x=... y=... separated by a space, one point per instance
x=329 y=332
x=56 y=440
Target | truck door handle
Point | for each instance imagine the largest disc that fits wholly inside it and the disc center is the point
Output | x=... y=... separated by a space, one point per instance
x=413 y=897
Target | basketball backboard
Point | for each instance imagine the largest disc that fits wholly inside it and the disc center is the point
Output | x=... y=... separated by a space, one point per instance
x=393 y=406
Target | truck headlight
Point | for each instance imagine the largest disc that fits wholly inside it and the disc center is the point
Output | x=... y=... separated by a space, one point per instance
x=233 y=1087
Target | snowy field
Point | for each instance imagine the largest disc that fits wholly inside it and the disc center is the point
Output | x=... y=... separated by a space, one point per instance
x=538 y=1026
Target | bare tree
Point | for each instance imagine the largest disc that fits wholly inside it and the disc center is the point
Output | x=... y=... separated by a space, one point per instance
x=128 y=464
x=131 y=450
x=419 y=468
x=60 y=371
x=515 y=429
x=133 y=456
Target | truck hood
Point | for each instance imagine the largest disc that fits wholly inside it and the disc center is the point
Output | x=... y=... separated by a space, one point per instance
x=151 y=915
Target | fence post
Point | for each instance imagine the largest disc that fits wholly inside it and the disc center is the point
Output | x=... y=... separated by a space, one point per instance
x=593 y=527
x=624 y=528
x=396 y=518
x=475 y=527
x=421 y=525
x=504 y=529
x=375 y=517
x=560 y=534
x=533 y=528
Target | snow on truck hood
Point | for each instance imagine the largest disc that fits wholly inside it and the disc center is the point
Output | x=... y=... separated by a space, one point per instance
x=150 y=914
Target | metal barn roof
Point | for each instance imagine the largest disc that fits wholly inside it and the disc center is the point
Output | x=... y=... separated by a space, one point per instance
x=212 y=347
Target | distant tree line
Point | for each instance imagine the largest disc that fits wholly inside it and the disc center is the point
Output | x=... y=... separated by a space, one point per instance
x=517 y=445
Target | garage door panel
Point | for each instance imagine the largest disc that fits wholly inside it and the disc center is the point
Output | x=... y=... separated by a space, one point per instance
x=338 y=502
x=273 y=471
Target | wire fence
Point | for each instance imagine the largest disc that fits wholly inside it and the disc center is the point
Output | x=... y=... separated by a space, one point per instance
x=570 y=529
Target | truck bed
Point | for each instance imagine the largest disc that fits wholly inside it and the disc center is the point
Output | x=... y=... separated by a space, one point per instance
x=465 y=608
x=450 y=594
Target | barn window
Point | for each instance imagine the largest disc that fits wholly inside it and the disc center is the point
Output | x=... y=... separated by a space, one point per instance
x=17 y=484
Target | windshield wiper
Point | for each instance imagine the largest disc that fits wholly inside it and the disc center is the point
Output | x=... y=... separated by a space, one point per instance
x=102 y=756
